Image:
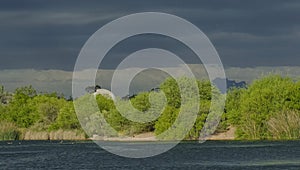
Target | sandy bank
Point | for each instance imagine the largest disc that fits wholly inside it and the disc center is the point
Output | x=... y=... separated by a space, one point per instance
x=228 y=135
x=149 y=136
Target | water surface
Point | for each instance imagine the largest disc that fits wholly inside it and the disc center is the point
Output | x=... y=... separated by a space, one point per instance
x=186 y=155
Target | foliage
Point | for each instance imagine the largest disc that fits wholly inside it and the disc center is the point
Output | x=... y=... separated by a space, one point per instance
x=66 y=118
x=37 y=112
x=251 y=109
x=173 y=95
x=166 y=119
x=48 y=108
x=141 y=101
x=119 y=123
x=21 y=109
x=172 y=92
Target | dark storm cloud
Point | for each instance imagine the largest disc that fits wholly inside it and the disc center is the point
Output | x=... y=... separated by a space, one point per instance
x=49 y=34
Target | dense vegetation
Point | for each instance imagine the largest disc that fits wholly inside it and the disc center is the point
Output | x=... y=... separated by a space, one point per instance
x=25 y=110
x=266 y=109
x=151 y=105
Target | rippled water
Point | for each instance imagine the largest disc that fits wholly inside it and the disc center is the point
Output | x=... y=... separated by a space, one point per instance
x=186 y=155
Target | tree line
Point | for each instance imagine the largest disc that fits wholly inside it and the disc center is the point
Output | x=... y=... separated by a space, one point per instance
x=268 y=108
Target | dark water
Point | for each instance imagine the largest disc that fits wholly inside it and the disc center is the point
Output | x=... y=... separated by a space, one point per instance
x=187 y=155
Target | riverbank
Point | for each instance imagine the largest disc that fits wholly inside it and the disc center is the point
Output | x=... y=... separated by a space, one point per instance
x=143 y=137
x=79 y=135
x=150 y=136
x=227 y=135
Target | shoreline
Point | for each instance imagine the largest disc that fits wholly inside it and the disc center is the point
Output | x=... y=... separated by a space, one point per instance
x=143 y=137
x=138 y=141
x=62 y=135
x=150 y=137
x=67 y=135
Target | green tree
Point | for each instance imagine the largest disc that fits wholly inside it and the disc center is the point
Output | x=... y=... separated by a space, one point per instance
x=141 y=101
x=47 y=109
x=67 y=118
x=233 y=104
x=172 y=92
x=173 y=95
x=166 y=119
x=20 y=110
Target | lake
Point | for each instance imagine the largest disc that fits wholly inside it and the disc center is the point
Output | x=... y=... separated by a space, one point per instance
x=186 y=155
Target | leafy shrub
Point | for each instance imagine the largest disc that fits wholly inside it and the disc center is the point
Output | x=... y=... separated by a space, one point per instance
x=252 y=110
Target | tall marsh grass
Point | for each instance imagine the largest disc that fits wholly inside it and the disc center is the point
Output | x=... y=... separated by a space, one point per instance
x=285 y=125
x=8 y=131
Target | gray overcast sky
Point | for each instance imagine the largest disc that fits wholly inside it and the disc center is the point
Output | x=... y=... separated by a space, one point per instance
x=42 y=34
